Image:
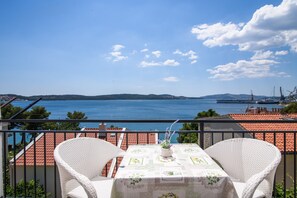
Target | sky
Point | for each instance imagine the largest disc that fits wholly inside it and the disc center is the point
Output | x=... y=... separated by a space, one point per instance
x=178 y=47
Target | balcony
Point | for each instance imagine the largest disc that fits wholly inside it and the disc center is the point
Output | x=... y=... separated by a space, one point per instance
x=28 y=155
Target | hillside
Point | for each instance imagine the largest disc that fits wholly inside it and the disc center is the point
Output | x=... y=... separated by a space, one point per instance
x=98 y=97
x=229 y=96
x=226 y=96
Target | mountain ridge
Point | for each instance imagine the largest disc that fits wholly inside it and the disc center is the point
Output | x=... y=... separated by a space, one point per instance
x=125 y=96
x=97 y=97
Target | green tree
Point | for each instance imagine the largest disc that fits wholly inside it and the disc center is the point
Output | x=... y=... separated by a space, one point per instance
x=193 y=137
x=76 y=115
x=291 y=108
x=37 y=112
x=10 y=110
x=209 y=113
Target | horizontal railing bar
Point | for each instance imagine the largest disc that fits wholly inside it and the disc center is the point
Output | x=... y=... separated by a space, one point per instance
x=250 y=132
x=146 y=121
x=140 y=131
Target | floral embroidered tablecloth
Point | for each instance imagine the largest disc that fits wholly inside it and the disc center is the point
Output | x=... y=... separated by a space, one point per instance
x=190 y=172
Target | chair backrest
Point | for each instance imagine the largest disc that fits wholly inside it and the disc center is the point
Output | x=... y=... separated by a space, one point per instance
x=244 y=157
x=87 y=156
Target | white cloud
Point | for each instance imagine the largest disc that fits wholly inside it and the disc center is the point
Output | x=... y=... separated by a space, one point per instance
x=157 y=64
x=150 y=64
x=262 y=55
x=281 y=53
x=177 y=52
x=193 y=61
x=259 y=66
x=157 y=53
x=171 y=79
x=144 y=50
x=116 y=54
x=117 y=47
x=171 y=62
x=191 y=55
x=246 y=69
x=270 y=27
x=212 y=33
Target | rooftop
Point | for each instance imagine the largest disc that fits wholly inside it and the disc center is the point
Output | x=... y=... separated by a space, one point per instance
x=113 y=135
x=278 y=127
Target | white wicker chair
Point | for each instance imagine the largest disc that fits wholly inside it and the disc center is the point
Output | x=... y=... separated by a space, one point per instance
x=250 y=163
x=80 y=162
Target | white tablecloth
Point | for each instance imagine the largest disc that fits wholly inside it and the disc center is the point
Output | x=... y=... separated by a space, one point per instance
x=189 y=173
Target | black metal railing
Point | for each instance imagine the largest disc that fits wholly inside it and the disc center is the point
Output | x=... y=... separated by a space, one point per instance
x=21 y=164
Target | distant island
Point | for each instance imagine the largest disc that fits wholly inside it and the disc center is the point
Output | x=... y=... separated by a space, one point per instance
x=98 y=97
x=228 y=96
x=5 y=97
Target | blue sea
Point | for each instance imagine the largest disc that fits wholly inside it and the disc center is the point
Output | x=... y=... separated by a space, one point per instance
x=138 y=109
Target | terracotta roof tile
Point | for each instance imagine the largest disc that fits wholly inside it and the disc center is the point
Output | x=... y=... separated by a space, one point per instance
x=51 y=140
x=112 y=136
x=277 y=138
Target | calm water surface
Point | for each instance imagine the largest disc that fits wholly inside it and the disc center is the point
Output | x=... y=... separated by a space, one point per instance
x=137 y=109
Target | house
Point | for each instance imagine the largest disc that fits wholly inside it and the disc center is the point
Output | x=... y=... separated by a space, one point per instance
x=216 y=128
x=43 y=160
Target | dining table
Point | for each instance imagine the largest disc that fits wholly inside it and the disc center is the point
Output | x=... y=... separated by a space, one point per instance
x=189 y=172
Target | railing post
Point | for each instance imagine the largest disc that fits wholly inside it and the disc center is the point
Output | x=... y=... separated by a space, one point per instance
x=1 y=157
x=202 y=135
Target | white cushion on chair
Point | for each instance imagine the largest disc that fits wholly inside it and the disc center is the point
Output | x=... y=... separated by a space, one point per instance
x=239 y=186
x=102 y=185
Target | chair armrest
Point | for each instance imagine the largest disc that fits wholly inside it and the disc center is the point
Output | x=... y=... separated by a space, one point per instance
x=86 y=184
x=254 y=181
x=81 y=179
x=252 y=184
